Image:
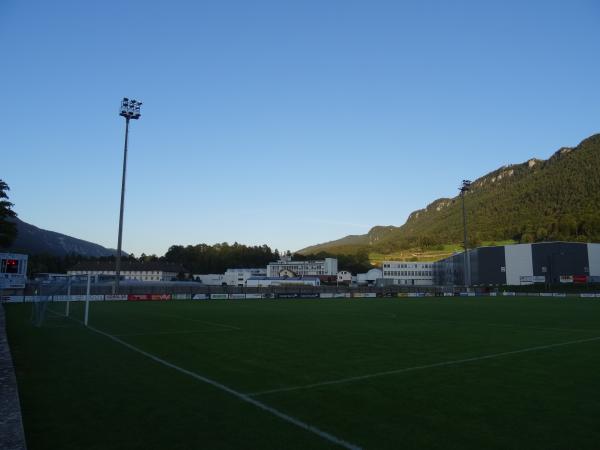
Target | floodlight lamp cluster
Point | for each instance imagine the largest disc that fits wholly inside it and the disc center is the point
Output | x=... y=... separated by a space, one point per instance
x=465 y=186
x=130 y=109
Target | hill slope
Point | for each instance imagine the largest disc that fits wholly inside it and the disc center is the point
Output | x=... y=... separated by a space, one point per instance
x=33 y=240
x=553 y=199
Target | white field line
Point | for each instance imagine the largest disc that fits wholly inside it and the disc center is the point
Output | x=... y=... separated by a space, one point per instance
x=151 y=333
x=297 y=422
x=193 y=320
x=322 y=434
x=426 y=366
x=500 y=325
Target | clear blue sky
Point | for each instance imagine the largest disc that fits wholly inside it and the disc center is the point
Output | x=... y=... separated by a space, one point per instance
x=285 y=123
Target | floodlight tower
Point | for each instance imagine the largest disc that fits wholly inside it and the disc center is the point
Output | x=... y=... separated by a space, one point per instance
x=464 y=188
x=130 y=109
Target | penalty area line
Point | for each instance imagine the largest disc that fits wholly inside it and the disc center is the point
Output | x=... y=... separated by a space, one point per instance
x=244 y=397
x=426 y=366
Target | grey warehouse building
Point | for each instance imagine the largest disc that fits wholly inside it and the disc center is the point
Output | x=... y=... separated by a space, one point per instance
x=545 y=262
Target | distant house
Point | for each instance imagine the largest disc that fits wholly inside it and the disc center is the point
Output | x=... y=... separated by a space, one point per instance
x=130 y=270
x=344 y=277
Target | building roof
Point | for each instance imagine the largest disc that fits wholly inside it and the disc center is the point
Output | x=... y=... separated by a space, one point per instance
x=309 y=278
x=129 y=266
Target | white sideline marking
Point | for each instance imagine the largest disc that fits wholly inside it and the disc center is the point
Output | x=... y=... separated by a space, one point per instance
x=427 y=366
x=151 y=333
x=241 y=396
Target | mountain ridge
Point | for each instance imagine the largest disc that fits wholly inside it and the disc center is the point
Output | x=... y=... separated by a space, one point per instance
x=539 y=199
x=33 y=240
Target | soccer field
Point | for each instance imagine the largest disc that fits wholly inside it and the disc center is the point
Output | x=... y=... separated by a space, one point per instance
x=426 y=373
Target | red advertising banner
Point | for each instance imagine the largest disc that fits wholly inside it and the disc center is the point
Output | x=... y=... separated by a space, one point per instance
x=579 y=278
x=143 y=297
x=137 y=297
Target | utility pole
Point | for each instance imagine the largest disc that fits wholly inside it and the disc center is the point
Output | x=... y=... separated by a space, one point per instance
x=130 y=109
x=464 y=188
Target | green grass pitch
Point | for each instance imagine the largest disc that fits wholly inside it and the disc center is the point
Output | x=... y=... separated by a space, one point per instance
x=426 y=373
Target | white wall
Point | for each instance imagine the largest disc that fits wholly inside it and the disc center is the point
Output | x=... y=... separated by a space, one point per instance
x=331 y=266
x=211 y=279
x=594 y=259
x=519 y=262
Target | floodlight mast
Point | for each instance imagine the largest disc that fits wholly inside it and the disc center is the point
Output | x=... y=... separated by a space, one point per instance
x=464 y=188
x=130 y=109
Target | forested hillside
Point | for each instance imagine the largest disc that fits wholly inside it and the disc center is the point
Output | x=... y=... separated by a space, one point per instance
x=538 y=200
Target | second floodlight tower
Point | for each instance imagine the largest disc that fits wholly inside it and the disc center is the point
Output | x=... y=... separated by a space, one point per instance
x=464 y=188
x=130 y=109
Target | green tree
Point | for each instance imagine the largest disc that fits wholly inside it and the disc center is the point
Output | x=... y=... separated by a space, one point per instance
x=8 y=229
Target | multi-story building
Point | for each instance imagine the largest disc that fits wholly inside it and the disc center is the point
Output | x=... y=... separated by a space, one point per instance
x=130 y=270
x=238 y=277
x=328 y=266
x=13 y=270
x=408 y=272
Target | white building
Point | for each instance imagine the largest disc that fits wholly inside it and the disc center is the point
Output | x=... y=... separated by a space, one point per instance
x=13 y=270
x=328 y=266
x=409 y=272
x=344 y=277
x=47 y=277
x=370 y=277
x=238 y=277
x=211 y=279
x=278 y=281
x=130 y=270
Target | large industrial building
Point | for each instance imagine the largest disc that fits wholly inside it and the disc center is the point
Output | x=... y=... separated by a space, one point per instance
x=520 y=264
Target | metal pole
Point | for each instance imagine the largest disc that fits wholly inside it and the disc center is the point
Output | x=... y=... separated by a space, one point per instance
x=68 y=296
x=118 y=264
x=467 y=268
x=87 y=300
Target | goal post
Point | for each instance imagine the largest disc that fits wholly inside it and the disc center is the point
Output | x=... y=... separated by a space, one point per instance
x=87 y=300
